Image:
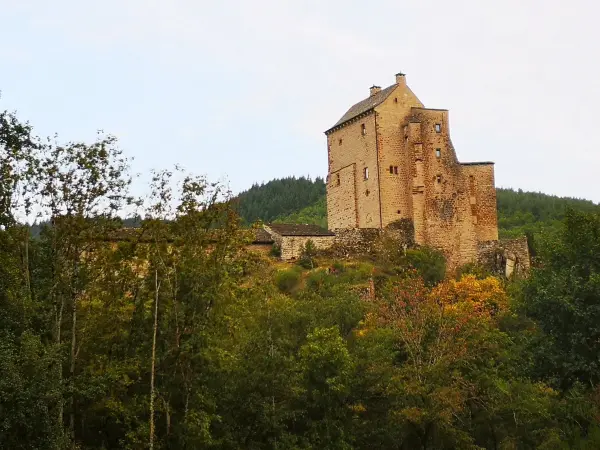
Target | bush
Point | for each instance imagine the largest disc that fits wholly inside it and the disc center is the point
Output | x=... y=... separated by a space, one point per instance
x=275 y=251
x=307 y=255
x=429 y=263
x=479 y=271
x=288 y=280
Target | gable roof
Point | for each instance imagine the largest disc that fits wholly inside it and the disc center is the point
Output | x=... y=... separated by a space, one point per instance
x=365 y=105
x=261 y=236
x=292 y=229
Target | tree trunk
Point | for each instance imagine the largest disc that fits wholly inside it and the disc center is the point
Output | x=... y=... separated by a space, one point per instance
x=156 y=287
x=72 y=370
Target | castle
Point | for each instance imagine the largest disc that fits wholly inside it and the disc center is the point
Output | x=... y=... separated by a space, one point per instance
x=392 y=170
x=391 y=163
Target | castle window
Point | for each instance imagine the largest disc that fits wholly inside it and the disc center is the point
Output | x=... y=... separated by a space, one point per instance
x=366 y=173
x=395 y=99
x=367 y=192
x=438 y=152
x=398 y=211
x=363 y=129
x=337 y=179
x=340 y=142
x=391 y=169
x=438 y=127
x=438 y=178
x=396 y=170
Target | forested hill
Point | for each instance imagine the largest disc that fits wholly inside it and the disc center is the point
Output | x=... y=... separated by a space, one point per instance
x=279 y=198
x=301 y=200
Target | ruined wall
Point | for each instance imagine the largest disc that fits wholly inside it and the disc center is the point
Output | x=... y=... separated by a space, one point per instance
x=508 y=257
x=395 y=168
x=291 y=246
x=349 y=146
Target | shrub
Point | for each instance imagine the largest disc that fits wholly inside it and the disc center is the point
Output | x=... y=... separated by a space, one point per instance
x=429 y=263
x=307 y=255
x=275 y=251
x=479 y=271
x=288 y=280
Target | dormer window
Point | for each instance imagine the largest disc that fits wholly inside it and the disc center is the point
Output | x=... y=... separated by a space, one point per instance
x=363 y=129
x=438 y=127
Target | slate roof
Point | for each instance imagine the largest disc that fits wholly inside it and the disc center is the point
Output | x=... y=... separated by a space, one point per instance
x=289 y=229
x=261 y=236
x=365 y=105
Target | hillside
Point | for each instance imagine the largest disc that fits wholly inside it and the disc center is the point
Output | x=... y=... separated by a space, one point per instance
x=300 y=200
x=279 y=198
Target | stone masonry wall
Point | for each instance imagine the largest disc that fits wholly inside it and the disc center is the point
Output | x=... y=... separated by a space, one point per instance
x=341 y=198
x=482 y=198
x=440 y=191
x=291 y=246
x=348 y=146
x=508 y=257
x=395 y=184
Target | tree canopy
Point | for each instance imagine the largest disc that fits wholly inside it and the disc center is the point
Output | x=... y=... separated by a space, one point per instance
x=175 y=335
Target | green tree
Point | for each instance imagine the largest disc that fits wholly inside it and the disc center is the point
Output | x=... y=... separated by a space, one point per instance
x=562 y=295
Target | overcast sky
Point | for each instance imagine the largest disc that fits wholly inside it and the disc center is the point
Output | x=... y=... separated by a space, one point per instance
x=242 y=90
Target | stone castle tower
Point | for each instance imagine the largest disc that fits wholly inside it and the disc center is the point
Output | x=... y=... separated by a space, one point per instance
x=391 y=161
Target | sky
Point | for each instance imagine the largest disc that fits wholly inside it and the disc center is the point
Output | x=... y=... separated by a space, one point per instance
x=242 y=91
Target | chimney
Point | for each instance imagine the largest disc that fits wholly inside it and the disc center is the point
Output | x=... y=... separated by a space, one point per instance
x=374 y=90
x=401 y=79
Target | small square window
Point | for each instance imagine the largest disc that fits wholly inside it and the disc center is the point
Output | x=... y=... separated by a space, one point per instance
x=366 y=173
x=438 y=152
x=398 y=211
x=340 y=142
x=438 y=127
x=363 y=129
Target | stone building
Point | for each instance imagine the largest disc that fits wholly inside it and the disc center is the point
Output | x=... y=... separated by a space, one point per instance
x=291 y=238
x=391 y=161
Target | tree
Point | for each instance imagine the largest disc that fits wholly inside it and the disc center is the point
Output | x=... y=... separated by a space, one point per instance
x=562 y=295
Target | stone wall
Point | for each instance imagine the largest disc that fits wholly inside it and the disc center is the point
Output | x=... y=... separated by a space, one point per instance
x=291 y=246
x=350 y=152
x=395 y=184
x=353 y=242
x=341 y=198
x=507 y=257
